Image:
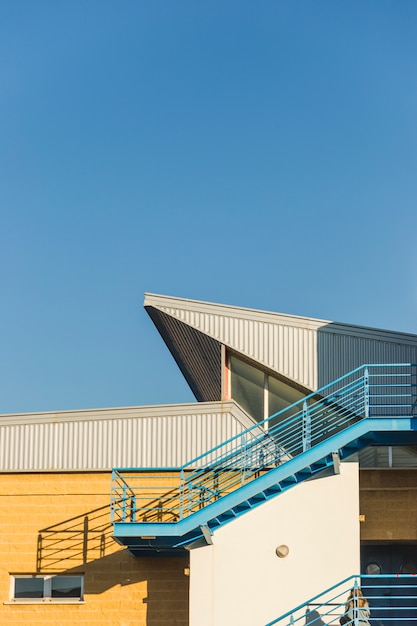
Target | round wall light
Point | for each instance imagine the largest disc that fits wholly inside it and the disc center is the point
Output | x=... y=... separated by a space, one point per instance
x=282 y=551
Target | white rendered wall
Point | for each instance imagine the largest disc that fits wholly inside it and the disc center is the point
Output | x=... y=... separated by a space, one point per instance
x=239 y=580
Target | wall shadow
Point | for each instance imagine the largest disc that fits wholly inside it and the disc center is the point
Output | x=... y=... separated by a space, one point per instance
x=85 y=545
x=75 y=541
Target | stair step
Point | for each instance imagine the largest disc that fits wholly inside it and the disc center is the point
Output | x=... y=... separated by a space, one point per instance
x=230 y=514
x=243 y=506
x=259 y=497
x=320 y=465
x=273 y=490
x=306 y=471
x=289 y=480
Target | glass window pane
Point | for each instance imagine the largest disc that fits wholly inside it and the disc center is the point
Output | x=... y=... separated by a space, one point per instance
x=28 y=588
x=280 y=396
x=247 y=384
x=66 y=587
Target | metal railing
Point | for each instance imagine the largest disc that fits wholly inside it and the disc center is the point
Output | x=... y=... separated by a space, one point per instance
x=383 y=600
x=368 y=391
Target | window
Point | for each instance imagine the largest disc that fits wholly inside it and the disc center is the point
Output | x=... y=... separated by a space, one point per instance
x=248 y=387
x=259 y=393
x=26 y=588
x=281 y=396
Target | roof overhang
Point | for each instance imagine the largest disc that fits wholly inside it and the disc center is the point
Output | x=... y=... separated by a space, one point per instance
x=197 y=355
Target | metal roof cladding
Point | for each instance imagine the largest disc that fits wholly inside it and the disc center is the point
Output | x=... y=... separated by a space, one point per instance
x=307 y=351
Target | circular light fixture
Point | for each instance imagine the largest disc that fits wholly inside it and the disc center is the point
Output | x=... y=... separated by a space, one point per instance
x=282 y=551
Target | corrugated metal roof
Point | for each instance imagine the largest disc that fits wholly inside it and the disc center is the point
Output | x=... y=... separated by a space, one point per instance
x=187 y=345
x=308 y=351
x=99 y=439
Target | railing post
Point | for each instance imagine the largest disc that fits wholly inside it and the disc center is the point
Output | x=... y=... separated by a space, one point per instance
x=355 y=603
x=182 y=493
x=306 y=427
x=366 y=391
x=413 y=389
x=124 y=504
x=244 y=460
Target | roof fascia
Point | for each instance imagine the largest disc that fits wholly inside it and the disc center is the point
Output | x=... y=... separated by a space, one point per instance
x=165 y=303
x=137 y=412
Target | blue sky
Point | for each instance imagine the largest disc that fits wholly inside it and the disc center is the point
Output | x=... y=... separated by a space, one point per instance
x=260 y=154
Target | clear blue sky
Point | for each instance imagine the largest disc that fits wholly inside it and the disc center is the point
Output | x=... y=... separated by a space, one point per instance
x=260 y=154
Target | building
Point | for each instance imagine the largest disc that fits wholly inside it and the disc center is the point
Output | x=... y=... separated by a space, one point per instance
x=218 y=515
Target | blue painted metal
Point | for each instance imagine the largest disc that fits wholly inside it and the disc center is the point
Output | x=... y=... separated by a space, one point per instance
x=392 y=600
x=373 y=405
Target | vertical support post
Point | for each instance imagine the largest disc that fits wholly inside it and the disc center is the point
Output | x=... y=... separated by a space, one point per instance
x=243 y=453
x=366 y=391
x=190 y=497
x=306 y=427
x=355 y=603
x=113 y=497
x=124 y=503
x=182 y=493
x=413 y=389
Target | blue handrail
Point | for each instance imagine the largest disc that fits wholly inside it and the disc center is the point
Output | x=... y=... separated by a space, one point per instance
x=391 y=600
x=378 y=390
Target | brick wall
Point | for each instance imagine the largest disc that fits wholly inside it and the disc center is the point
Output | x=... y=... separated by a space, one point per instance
x=388 y=499
x=60 y=524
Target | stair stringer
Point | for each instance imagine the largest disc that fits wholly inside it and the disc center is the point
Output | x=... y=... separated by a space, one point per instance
x=161 y=536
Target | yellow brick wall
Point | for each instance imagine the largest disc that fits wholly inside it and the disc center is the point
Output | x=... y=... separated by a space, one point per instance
x=388 y=500
x=43 y=523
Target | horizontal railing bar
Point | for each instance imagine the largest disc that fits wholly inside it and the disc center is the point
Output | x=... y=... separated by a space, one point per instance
x=366 y=583
x=244 y=456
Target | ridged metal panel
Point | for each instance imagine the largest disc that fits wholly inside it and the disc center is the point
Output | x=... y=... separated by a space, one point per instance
x=339 y=353
x=100 y=440
x=289 y=350
x=309 y=351
x=202 y=374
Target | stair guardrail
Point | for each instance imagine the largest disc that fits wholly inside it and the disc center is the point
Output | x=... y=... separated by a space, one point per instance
x=392 y=600
x=376 y=390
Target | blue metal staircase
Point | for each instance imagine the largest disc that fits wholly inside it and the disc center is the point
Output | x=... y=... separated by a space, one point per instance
x=169 y=510
x=392 y=600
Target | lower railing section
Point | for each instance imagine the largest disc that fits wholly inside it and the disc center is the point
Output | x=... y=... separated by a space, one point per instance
x=151 y=495
x=383 y=600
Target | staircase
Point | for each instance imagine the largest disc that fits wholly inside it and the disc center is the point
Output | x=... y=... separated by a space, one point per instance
x=170 y=510
x=392 y=602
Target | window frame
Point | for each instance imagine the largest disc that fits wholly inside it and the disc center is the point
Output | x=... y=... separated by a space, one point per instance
x=267 y=372
x=47 y=598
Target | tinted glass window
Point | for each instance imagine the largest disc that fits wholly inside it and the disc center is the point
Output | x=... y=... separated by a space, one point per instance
x=28 y=588
x=280 y=396
x=248 y=387
x=66 y=587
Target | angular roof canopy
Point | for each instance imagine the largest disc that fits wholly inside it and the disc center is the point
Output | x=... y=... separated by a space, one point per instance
x=309 y=352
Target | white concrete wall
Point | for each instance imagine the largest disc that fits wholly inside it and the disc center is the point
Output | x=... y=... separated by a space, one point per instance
x=239 y=581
